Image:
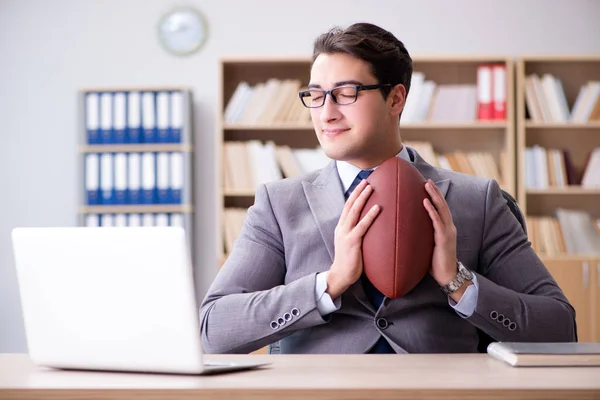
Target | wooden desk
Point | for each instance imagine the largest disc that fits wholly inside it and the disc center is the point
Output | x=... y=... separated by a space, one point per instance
x=313 y=377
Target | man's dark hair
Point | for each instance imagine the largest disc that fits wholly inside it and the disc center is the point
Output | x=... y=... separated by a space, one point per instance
x=388 y=58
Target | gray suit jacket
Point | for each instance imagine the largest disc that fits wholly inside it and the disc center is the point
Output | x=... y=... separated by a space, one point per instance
x=265 y=291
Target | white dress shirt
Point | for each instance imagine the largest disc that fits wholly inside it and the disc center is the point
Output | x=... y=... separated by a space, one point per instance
x=326 y=305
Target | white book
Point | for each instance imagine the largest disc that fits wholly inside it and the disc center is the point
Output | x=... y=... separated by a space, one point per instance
x=424 y=102
x=120 y=177
x=161 y=219
x=162 y=176
x=92 y=220
x=134 y=220
x=591 y=175
x=92 y=172
x=134 y=112
x=162 y=115
x=120 y=220
x=106 y=114
x=147 y=219
x=148 y=171
x=92 y=117
x=148 y=111
x=176 y=175
x=235 y=102
x=176 y=116
x=412 y=99
x=134 y=175
x=107 y=220
x=551 y=94
x=176 y=219
x=120 y=116
x=106 y=177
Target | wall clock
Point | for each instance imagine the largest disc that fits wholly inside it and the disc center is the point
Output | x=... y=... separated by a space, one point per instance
x=182 y=31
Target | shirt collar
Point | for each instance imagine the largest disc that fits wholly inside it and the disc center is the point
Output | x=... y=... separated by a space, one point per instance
x=348 y=172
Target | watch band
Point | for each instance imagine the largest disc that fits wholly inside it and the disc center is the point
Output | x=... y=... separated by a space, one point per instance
x=461 y=277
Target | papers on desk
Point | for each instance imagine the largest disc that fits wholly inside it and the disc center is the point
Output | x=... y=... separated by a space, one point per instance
x=520 y=354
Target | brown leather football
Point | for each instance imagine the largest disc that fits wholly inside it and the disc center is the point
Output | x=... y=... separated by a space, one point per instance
x=398 y=246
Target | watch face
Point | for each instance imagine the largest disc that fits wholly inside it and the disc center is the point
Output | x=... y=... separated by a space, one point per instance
x=182 y=31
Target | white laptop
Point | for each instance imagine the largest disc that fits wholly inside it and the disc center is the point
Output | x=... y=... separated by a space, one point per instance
x=113 y=299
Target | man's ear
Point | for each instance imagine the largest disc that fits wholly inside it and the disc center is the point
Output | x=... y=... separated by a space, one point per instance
x=397 y=99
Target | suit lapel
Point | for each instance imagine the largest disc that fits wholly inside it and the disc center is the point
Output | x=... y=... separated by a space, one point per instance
x=429 y=172
x=326 y=200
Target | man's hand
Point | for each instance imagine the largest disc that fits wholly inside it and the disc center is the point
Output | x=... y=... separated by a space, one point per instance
x=443 y=264
x=347 y=266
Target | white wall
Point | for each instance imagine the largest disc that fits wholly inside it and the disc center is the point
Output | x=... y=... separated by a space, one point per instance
x=50 y=49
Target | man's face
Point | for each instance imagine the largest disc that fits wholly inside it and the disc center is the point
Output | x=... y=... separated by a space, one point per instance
x=363 y=133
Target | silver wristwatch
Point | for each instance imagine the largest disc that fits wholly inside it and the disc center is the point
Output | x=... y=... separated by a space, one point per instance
x=463 y=275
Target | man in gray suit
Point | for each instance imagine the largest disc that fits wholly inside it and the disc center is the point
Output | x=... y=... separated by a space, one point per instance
x=295 y=275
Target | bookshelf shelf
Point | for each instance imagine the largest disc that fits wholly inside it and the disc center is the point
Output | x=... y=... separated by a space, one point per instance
x=135 y=148
x=179 y=208
x=568 y=257
x=570 y=190
x=239 y=193
x=570 y=125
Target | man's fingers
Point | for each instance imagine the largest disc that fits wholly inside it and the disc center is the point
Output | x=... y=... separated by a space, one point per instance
x=364 y=224
x=438 y=202
x=352 y=198
x=357 y=207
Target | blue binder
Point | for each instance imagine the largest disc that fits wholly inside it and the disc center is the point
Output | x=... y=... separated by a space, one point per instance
x=134 y=117
x=162 y=117
x=92 y=179
x=176 y=117
x=148 y=178
x=119 y=118
x=148 y=117
x=120 y=174
x=134 y=178
x=162 y=178
x=106 y=117
x=107 y=187
x=92 y=117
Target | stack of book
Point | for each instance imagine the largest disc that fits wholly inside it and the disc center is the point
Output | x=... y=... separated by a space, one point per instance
x=546 y=101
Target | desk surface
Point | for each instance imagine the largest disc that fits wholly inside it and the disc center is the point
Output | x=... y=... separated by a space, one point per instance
x=313 y=376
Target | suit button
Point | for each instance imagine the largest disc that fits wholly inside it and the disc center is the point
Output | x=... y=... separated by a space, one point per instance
x=382 y=323
x=274 y=324
x=512 y=326
x=500 y=318
x=507 y=322
x=280 y=321
x=287 y=316
x=295 y=312
x=494 y=315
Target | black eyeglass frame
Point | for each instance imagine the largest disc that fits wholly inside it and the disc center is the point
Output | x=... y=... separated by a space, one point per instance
x=304 y=93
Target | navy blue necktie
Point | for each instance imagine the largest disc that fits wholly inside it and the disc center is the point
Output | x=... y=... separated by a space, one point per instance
x=374 y=295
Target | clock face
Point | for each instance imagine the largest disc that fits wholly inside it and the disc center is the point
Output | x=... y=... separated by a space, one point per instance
x=182 y=31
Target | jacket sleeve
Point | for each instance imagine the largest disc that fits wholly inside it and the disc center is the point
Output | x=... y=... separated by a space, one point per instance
x=518 y=298
x=248 y=306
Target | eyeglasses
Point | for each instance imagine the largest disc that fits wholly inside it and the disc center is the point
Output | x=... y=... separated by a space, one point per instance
x=342 y=95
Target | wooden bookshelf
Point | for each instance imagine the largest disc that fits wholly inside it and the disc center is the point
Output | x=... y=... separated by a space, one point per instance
x=576 y=138
x=495 y=137
x=577 y=274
